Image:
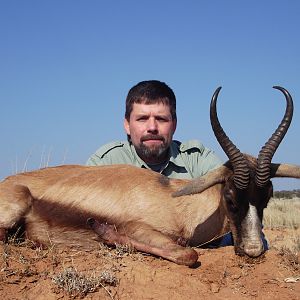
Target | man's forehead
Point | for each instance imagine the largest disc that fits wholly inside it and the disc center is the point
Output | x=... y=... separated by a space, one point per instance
x=145 y=108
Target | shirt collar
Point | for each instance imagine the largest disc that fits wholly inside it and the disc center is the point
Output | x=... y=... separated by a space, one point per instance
x=175 y=156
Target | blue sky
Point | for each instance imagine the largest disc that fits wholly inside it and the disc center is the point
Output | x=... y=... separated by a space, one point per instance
x=66 y=68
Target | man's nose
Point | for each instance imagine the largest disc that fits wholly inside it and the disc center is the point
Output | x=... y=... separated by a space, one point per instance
x=152 y=125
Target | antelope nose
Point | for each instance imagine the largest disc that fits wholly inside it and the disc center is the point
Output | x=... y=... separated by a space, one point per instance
x=254 y=250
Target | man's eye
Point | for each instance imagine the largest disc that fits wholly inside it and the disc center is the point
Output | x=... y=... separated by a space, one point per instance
x=160 y=119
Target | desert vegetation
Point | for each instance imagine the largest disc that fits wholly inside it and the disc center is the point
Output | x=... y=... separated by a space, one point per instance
x=282 y=213
x=287 y=194
x=282 y=221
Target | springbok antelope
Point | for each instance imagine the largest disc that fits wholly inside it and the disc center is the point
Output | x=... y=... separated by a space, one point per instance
x=79 y=205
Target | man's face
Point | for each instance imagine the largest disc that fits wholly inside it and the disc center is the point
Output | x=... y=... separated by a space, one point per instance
x=151 y=129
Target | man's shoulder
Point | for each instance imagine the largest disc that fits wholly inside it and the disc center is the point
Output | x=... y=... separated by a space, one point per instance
x=197 y=158
x=112 y=147
x=117 y=152
x=189 y=146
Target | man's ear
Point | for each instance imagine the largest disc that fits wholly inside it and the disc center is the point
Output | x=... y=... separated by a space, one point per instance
x=174 y=125
x=126 y=126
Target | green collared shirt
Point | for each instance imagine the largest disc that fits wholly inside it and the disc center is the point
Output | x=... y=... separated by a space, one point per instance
x=187 y=160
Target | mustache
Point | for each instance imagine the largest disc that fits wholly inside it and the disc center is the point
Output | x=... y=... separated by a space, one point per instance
x=152 y=137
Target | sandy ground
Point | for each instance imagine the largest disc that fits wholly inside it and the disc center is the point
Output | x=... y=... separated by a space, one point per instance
x=42 y=274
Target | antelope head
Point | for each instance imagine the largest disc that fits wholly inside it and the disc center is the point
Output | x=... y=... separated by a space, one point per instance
x=247 y=185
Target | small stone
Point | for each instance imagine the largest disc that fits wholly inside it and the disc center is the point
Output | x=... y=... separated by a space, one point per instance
x=291 y=279
x=215 y=288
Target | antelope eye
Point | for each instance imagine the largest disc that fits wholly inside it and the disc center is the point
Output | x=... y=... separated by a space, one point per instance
x=228 y=194
x=230 y=200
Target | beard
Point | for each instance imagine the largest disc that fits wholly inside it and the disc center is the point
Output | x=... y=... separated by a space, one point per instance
x=155 y=153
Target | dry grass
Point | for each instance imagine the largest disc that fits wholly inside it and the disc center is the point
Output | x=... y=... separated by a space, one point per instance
x=282 y=213
x=79 y=284
x=19 y=258
x=290 y=258
x=282 y=217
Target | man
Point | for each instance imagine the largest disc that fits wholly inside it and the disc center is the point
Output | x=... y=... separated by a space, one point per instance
x=150 y=122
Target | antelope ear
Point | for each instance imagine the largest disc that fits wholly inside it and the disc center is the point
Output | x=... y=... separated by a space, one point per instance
x=202 y=183
x=285 y=170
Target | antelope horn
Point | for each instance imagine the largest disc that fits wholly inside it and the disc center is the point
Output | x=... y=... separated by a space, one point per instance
x=263 y=170
x=285 y=170
x=198 y=185
x=236 y=158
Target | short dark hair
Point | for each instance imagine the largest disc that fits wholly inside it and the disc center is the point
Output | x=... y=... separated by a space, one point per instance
x=151 y=92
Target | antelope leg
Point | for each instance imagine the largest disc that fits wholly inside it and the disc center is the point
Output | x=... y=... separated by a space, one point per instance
x=144 y=238
x=15 y=203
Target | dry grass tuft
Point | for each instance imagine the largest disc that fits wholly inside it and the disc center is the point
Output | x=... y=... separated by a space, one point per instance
x=119 y=251
x=124 y=250
x=290 y=258
x=79 y=284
